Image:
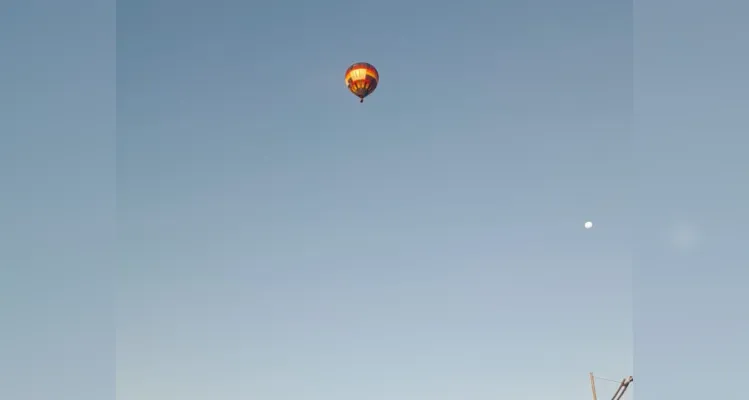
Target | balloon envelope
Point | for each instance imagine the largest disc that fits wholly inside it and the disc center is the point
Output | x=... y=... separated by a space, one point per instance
x=362 y=79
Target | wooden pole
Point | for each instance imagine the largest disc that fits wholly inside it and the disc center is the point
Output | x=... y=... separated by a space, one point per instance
x=593 y=386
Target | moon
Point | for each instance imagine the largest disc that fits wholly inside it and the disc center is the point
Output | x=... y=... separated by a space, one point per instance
x=588 y=225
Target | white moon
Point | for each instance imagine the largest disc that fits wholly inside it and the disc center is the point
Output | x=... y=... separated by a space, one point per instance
x=588 y=225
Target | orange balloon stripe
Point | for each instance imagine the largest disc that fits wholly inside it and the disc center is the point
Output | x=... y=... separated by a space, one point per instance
x=362 y=87
x=369 y=74
x=362 y=65
x=369 y=70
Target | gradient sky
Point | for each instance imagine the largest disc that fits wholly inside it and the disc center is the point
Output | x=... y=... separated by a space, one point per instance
x=57 y=199
x=278 y=240
x=282 y=241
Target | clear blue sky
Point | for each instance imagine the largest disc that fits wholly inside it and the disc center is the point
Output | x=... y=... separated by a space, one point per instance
x=278 y=240
x=282 y=241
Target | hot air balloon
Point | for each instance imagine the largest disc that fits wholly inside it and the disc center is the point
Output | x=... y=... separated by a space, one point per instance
x=362 y=79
